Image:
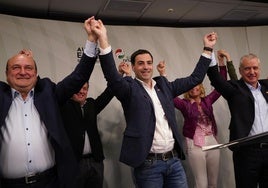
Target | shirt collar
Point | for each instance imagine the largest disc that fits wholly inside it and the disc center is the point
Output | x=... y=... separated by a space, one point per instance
x=15 y=93
x=145 y=84
x=253 y=88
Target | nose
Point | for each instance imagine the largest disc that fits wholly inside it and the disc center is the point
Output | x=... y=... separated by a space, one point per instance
x=22 y=70
x=251 y=70
x=146 y=66
x=81 y=92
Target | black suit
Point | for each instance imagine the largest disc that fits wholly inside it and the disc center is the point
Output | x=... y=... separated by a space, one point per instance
x=76 y=125
x=77 y=121
x=249 y=156
x=48 y=96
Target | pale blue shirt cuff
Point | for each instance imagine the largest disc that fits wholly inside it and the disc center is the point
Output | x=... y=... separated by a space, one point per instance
x=213 y=60
x=105 y=51
x=212 y=57
x=91 y=49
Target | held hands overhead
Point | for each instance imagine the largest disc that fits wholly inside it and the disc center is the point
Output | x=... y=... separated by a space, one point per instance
x=92 y=37
x=96 y=32
x=221 y=54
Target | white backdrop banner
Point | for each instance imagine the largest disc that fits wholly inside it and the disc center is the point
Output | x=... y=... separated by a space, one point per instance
x=58 y=45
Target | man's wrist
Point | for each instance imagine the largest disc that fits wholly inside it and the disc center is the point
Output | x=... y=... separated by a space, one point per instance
x=209 y=49
x=212 y=57
x=91 y=49
x=206 y=55
x=213 y=60
x=106 y=50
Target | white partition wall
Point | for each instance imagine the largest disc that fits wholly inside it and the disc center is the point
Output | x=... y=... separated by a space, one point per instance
x=57 y=47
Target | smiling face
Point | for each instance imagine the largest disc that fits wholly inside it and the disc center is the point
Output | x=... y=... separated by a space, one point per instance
x=21 y=73
x=195 y=92
x=81 y=96
x=250 y=69
x=143 y=67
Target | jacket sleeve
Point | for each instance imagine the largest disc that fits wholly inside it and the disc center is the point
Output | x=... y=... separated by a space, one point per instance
x=219 y=83
x=231 y=70
x=72 y=83
x=179 y=103
x=182 y=85
x=214 y=95
x=119 y=85
x=223 y=72
x=102 y=101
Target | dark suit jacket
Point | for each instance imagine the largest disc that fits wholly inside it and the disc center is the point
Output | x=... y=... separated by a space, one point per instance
x=240 y=101
x=76 y=125
x=48 y=96
x=139 y=111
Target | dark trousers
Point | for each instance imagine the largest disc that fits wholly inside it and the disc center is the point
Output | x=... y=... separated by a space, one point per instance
x=90 y=175
x=251 y=166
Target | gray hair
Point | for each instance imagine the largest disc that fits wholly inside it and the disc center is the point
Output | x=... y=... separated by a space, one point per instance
x=248 y=56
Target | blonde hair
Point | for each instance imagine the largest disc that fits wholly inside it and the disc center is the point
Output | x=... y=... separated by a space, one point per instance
x=202 y=93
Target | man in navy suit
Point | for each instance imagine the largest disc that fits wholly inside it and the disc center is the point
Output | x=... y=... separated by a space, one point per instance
x=248 y=103
x=151 y=142
x=34 y=148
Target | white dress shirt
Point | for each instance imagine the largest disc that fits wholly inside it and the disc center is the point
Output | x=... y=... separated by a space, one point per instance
x=261 y=111
x=87 y=147
x=163 y=140
x=25 y=148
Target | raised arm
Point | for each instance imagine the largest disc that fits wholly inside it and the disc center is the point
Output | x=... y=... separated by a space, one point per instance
x=92 y=37
x=81 y=74
x=161 y=68
x=116 y=82
x=209 y=41
x=124 y=69
x=181 y=85
x=100 y=31
x=222 y=54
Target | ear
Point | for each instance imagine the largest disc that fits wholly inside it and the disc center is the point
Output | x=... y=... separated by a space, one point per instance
x=6 y=77
x=240 y=71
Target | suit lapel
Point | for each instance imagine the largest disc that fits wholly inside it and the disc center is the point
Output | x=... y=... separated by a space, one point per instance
x=264 y=91
x=245 y=88
x=163 y=100
x=145 y=94
x=78 y=108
